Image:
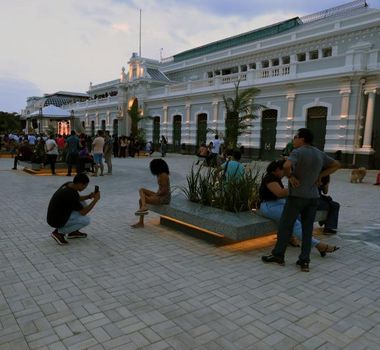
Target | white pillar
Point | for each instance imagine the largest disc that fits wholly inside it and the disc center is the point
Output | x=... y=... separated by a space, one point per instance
x=367 y=141
x=215 y=111
x=290 y=115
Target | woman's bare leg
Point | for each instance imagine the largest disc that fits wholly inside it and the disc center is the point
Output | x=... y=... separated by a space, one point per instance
x=140 y=223
x=144 y=193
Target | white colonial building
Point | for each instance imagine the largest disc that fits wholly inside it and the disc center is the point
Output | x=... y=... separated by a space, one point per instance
x=320 y=71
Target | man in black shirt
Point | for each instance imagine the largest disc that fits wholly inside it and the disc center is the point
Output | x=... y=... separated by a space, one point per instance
x=67 y=211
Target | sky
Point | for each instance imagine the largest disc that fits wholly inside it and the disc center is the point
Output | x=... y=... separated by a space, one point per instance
x=63 y=45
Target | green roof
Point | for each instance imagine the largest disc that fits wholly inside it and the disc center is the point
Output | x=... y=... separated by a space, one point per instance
x=237 y=40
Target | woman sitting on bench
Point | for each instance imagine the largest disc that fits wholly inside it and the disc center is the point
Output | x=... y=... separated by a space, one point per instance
x=272 y=201
x=159 y=168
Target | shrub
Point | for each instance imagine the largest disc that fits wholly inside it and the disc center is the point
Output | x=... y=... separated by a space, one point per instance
x=208 y=187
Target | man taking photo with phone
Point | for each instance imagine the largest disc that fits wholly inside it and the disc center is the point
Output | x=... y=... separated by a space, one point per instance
x=67 y=211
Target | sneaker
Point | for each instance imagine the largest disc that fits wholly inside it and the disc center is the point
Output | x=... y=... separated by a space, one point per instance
x=59 y=237
x=141 y=212
x=303 y=265
x=76 y=234
x=273 y=259
x=14 y=168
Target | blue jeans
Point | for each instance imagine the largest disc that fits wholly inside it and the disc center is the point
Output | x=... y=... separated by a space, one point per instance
x=75 y=223
x=295 y=207
x=273 y=210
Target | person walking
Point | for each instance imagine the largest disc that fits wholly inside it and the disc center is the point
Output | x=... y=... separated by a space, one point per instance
x=304 y=171
x=51 y=149
x=97 y=152
x=72 y=154
x=67 y=210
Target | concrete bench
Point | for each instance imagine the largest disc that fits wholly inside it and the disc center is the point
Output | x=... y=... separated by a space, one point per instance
x=34 y=168
x=185 y=216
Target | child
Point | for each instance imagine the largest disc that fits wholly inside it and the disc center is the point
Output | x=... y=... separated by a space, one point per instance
x=159 y=168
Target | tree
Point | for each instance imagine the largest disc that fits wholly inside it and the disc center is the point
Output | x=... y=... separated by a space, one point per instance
x=136 y=118
x=134 y=114
x=9 y=122
x=240 y=110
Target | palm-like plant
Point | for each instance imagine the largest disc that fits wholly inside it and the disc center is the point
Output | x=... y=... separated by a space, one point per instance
x=136 y=118
x=134 y=114
x=240 y=110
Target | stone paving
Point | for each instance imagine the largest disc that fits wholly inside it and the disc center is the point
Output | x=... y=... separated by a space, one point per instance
x=155 y=288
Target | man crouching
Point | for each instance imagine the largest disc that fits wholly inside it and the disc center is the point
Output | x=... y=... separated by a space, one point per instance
x=67 y=210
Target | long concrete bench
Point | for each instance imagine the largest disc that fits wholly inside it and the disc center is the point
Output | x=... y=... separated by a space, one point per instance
x=33 y=168
x=184 y=215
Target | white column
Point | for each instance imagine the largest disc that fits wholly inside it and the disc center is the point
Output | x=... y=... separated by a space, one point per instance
x=290 y=115
x=367 y=141
x=165 y=121
x=215 y=111
x=188 y=115
x=345 y=103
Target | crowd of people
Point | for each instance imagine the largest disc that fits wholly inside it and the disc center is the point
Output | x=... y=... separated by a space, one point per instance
x=294 y=208
x=77 y=150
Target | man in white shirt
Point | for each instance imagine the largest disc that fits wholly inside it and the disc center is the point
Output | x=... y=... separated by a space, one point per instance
x=51 y=149
x=213 y=157
x=97 y=150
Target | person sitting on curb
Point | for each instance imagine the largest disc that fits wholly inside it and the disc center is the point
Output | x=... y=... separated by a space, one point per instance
x=67 y=210
x=159 y=168
x=25 y=153
x=272 y=202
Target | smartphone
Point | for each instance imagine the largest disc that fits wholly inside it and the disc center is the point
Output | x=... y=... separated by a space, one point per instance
x=96 y=188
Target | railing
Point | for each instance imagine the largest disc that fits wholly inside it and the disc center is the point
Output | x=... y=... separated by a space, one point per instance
x=91 y=103
x=233 y=78
x=273 y=72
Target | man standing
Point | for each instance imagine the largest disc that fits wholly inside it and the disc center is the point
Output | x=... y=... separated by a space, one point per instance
x=215 y=149
x=72 y=157
x=304 y=171
x=66 y=212
x=51 y=149
x=108 y=152
x=97 y=151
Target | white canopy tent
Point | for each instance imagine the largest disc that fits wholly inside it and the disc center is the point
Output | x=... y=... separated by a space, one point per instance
x=51 y=111
x=62 y=120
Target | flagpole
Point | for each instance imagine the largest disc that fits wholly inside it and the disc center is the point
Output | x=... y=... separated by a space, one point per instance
x=140 y=36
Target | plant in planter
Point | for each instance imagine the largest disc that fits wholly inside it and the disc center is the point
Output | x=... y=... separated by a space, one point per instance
x=209 y=187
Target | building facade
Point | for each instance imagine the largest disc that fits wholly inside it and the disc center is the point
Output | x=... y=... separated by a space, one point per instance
x=320 y=71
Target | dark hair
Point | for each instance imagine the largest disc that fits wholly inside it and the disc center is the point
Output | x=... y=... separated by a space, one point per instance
x=81 y=178
x=158 y=166
x=236 y=154
x=306 y=134
x=72 y=132
x=276 y=164
x=216 y=137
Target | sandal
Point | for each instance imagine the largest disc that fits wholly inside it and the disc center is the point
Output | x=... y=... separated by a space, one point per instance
x=328 y=249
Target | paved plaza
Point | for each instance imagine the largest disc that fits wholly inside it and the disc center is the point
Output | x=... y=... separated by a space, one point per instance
x=155 y=288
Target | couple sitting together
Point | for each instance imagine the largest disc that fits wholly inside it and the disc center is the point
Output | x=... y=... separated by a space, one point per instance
x=272 y=198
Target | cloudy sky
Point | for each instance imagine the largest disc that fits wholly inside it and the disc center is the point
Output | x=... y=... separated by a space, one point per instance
x=47 y=46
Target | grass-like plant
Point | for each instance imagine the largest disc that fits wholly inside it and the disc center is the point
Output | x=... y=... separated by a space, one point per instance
x=208 y=186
